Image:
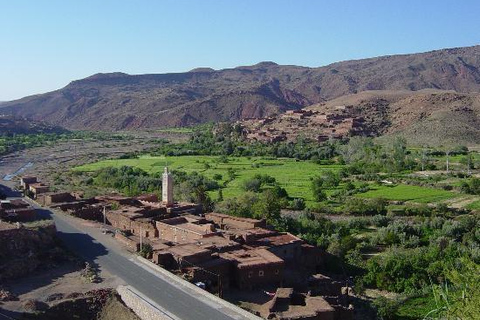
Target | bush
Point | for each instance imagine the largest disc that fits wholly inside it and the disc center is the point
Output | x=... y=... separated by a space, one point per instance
x=386 y=308
x=298 y=204
x=358 y=206
x=253 y=185
x=146 y=251
x=380 y=221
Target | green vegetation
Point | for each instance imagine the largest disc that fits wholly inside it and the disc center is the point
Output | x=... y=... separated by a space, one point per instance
x=408 y=193
x=293 y=175
x=380 y=220
x=15 y=142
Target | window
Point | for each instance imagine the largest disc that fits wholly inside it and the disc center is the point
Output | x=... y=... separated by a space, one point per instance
x=277 y=271
x=261 y=273
x=250 y=274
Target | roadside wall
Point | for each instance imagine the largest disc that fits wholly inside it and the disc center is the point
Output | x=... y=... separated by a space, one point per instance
x=143 y=307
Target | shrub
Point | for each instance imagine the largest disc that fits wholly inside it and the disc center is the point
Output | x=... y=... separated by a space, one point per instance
x=253 y=185
x=298 y=204
x=380 y=221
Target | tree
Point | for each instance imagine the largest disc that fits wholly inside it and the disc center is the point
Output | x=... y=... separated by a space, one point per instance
x=357 y=149
x=317 y=189
x=468 y=162
x=268 y=207
x=201 y=196
x=330 y=179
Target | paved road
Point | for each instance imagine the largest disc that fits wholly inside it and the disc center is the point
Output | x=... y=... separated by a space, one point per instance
x=101 y=249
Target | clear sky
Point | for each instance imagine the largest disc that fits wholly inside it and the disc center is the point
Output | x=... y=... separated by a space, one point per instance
x=45 y=44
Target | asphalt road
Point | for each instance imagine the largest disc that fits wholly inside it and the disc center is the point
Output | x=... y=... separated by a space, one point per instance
x=93 y=246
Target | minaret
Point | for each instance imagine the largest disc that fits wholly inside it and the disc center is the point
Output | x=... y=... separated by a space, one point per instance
x=167 y=188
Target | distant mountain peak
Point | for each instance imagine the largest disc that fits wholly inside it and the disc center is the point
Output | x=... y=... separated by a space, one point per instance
x=118 y=101
x=202 y=69
x=109 y=75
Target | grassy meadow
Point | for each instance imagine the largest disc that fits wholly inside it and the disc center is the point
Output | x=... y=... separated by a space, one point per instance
x=291 y=174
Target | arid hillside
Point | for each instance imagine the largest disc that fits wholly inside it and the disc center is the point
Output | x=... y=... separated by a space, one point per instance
x=425 y=117
x=429 y=117
x=119 y=101
x=14 y=125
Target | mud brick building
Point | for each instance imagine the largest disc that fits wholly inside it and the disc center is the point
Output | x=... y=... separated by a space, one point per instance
x=224 y=221
x=26 y=181
x=255 y=267
x=16 y=210
x=38 y=188
x=182 y=230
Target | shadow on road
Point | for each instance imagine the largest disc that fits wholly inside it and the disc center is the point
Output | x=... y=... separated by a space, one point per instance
x=8 y=192
x=43 y=214
x=83 y=245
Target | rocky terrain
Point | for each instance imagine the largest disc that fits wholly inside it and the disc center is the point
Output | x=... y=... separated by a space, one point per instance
x=119 y=101
x=18 y=125
x=426 y=117
x=24 y=250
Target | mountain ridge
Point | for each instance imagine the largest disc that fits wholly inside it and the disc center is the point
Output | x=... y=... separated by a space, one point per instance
x=118 y=101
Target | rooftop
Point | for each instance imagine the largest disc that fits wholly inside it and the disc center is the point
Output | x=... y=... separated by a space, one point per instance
x=182 y=223
x=250 y=258
x=221 y=215
x=279 y=240
x=188 y=250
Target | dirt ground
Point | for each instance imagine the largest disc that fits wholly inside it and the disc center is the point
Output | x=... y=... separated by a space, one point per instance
x=50 y=286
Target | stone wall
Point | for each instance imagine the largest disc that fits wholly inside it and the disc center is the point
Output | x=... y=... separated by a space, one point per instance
x=143 y=307
x=132 y=244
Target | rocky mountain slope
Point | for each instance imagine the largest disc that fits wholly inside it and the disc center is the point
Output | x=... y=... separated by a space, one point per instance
x=119 y=101
x=431 y=117
x=14 y=125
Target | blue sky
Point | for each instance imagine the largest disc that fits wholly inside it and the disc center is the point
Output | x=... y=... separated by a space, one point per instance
x=45 y=44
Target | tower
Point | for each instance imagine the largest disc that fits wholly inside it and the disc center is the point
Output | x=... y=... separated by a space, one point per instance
x=167 y=188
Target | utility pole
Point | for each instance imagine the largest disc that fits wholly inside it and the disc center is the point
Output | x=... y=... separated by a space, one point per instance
x=423 y=158
x=141 y=243
x=468 y=169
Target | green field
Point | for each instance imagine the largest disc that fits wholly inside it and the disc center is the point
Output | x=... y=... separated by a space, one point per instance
x=293 y=175
x=474 y=205
x=408 y=193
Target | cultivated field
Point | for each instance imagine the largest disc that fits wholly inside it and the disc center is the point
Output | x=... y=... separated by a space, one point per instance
x=408 y=193
x=295 y=176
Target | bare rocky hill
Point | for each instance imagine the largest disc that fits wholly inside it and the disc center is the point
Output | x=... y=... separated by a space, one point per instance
x=119 y=101
x=431 y=117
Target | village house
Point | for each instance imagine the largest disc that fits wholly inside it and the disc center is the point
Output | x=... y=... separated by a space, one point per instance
x=181 y=230
x=16 y=210
x=225 y=221
x=224 y=251
x=37 y=188
x=26 y=181
x=254 y=267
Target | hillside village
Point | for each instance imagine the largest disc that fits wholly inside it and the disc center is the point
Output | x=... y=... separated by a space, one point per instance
x=233 y=257
x=318 y=126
